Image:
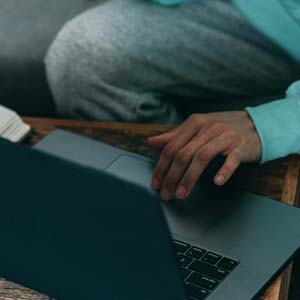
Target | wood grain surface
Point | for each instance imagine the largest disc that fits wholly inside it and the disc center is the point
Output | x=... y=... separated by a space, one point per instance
x=277 y=180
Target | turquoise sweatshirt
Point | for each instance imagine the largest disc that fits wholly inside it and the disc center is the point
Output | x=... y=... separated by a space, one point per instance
x=277 y=122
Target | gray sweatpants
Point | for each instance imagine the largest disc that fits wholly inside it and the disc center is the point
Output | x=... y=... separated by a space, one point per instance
x=134 y=61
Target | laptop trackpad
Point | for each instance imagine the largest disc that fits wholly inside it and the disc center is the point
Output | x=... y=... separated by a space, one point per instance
x=188 y=218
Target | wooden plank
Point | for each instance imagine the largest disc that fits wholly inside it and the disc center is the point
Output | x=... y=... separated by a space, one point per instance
x=13 y=291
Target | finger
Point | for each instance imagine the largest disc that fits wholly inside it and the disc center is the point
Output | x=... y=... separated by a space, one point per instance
x=205 y=135
x=175 y=174
x=183 y=159
x=194 y=122
x=168 y=154
x=230 y=165
x=199 y=163
x=161 y=140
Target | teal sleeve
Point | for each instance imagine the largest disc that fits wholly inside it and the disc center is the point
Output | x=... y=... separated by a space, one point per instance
x=170 y=2
x=278 y=125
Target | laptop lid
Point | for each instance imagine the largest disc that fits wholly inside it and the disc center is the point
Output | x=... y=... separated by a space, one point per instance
x=74 y=233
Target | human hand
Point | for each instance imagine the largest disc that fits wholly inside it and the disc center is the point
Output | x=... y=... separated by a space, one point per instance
x=188 y=149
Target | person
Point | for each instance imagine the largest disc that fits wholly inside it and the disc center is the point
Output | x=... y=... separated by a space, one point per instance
x=219 y=63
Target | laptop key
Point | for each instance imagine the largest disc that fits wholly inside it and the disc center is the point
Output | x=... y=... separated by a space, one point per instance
x=227 y=264
x=202 y=281
x=196 y=292
x=185 y=273
x=208 y=270
x=196 y=252
x=211 y=258
x=184 y=260
x=181 y=247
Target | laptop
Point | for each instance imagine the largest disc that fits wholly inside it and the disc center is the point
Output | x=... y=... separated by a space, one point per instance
x=227 y=243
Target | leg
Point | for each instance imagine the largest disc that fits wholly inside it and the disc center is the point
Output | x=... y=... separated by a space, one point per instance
x=126 y=61
x=97 y=70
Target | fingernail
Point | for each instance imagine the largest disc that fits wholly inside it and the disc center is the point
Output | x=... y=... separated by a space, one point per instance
x=181 y=192
x=155 y=184
x=220 y=179
x=165 y=195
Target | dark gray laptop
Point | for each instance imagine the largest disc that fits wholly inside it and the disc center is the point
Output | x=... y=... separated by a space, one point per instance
x=74 y=233
x=230 y=243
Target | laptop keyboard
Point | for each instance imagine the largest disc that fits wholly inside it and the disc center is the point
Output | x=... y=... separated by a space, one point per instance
x=202 y=270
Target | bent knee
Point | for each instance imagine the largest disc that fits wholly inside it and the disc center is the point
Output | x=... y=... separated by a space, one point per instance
x=83 y=54
x=65 y=63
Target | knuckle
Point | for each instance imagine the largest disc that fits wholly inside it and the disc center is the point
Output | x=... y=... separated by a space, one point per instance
x=204 y=154
x=231 y=133
x=217 y=127
x=158 y=173
x=182 y=157
x=186 y=181
x=237 y=156
x=168 y=152
x=226 y=171
x=195 y=119
x=157 y=170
